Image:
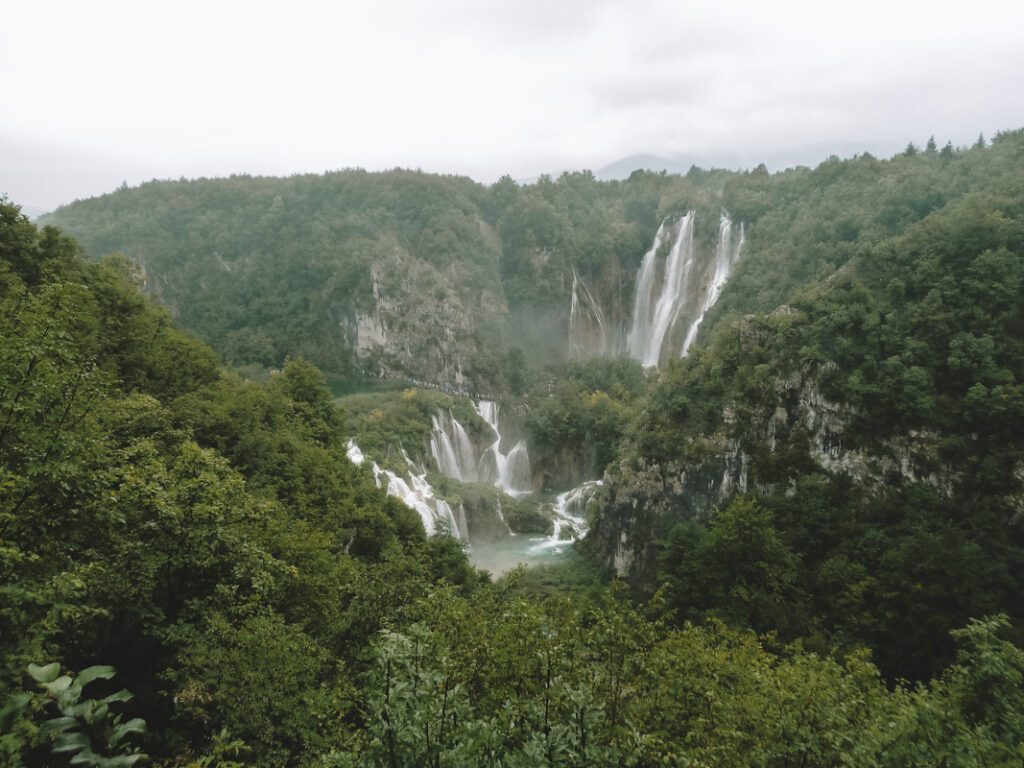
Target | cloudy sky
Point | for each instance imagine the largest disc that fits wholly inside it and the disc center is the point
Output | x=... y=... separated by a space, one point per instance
x=96 y=93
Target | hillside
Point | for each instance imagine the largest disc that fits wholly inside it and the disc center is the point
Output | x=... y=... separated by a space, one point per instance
x=766 y=428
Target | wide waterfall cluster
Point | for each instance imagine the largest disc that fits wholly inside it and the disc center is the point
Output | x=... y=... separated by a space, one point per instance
x=417 y=494
x=456 y=457
x=673 y=293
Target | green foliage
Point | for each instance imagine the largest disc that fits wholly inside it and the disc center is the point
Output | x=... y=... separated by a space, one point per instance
x=499 y=680
x=578 y=416
x=182 y=521
x=85 y=731
x=877 y=411
x=270 y=606
x=738 y=568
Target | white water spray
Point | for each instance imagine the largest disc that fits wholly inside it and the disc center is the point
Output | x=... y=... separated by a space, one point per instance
x=511 y=471
x=687 y=289
x=451 y=448
x=652 y=324
x=570 y=523
x=642 y=314
x=588 y=333
x=726 y=256
x=417 y=494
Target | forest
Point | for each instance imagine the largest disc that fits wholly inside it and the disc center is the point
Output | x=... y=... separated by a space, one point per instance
x=806 y=547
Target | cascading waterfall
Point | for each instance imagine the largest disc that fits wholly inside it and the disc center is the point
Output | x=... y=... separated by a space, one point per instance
x=588 y=333
x=463 y=524
x=652 y=324
x=501 y=516
x=685 y=292
x=451 y=448
x=416 y=493
x=639 y=330
x=511 y=471
x=569 y=522
x=726 y=257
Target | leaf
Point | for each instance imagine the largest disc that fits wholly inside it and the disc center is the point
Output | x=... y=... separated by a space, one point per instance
x=123 y=760
x=114 y=698
x=12 y=711
x=56 y=725
x=46 y=674
x=86 y=757
x=89 y=674
x=58 y=686
x=135 y=725
x=72 y=742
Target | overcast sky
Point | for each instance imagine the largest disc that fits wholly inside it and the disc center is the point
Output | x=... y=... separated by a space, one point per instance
x=96 y=93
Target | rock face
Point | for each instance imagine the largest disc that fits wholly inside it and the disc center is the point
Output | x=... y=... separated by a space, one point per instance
x=419 y=321
x=639 y=504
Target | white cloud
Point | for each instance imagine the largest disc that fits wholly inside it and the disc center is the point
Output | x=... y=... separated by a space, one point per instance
x=103 y=91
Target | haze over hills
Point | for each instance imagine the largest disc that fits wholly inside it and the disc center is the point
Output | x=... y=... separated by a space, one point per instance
x=805 y=155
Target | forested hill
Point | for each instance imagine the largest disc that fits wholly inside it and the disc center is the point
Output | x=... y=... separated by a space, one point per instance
x=848 y=467
x=822 y=500
x=263 y=604
x=448 y=281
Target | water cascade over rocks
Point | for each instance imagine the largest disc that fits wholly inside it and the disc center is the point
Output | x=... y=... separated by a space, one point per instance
x=655 y=316
x=589 y=334
x=511 y=471
x=676 y=292
x=639 y=331
x=451 y=448
x=570 y=523
x=726 y=256
x=417 y=494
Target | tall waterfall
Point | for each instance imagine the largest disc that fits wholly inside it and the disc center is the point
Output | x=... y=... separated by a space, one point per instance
x=455 y=456
x=639 y=331
x=511 y=471
x=726 y=256
x=588 y=332
x=677 y=293
x=651 y=324
x=417 y=494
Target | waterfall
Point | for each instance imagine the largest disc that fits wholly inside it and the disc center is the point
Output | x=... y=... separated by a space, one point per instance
x=688 y=287
x=451 y=448
x=726 y=257
x=569 y=522
x=637 y=340
x=511 y=471
x=516 y=478
x=650 y=325
x=584 y=337
x=463 y=525
x=416 y=493
x=501 y=515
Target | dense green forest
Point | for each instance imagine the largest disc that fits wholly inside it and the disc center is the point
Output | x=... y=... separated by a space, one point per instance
x=875 y=423
x=808 y=548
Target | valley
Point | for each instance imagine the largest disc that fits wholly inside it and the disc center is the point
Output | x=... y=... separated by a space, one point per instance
x=403 y=469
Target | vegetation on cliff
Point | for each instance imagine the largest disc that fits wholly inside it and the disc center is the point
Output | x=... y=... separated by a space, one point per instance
x=823 y=501
x=875 y=422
